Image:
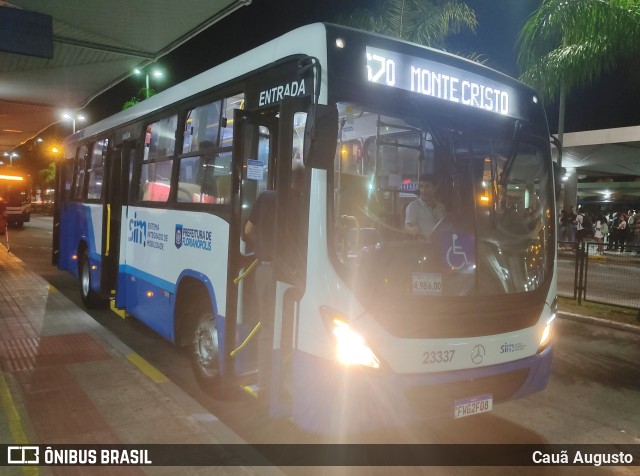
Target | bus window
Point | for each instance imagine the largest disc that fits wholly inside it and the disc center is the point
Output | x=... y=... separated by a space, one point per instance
x=352 y=160
x=96 y=170
x=231 y=103
x=160 y=139
x=159 y=147
x=155 y=181
x=78 y=181
x=189 y=179
x=201 y=127
x=205 y=179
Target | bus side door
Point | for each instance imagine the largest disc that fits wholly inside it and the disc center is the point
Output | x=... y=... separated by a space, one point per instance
x=64 y=179
x=118 y=178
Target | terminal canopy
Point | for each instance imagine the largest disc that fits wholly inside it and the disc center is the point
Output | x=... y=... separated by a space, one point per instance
x=95 y=46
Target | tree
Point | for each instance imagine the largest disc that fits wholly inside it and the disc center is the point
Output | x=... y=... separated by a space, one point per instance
x=428 y=22
x=47 y=176
x=144 y=93
x=567 y=44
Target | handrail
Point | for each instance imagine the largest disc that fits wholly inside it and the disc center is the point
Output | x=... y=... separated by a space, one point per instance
x=246 y=341
x=246 y=272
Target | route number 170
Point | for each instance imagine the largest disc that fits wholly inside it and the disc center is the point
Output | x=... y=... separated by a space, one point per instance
x=381 y=69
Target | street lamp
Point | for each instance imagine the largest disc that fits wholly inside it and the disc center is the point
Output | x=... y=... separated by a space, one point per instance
x=11 y=156
x=73 y=117
x=156 y=73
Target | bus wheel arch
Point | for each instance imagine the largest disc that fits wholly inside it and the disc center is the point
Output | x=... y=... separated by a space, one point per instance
x=195 y=327
x=90 y=298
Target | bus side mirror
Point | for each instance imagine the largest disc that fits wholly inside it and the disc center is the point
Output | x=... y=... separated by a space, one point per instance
x=320 y=136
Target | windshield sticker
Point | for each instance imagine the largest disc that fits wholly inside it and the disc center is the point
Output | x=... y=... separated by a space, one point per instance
x=427 y=284
x=255 y=170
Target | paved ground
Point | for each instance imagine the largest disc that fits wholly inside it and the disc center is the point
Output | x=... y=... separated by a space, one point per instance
x=65 y=379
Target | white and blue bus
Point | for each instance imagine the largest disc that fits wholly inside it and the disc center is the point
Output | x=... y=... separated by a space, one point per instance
x=373 y=326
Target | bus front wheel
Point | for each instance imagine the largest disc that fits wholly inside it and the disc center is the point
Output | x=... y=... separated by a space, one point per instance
x=205 y=353
x=90 y=298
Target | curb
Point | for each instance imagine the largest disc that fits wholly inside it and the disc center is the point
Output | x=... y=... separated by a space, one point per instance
x=599 y=322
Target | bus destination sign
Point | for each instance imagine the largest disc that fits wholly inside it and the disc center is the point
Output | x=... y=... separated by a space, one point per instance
x=438 y=80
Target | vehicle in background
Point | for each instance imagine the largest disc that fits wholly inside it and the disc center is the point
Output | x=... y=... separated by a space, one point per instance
x=15 y=189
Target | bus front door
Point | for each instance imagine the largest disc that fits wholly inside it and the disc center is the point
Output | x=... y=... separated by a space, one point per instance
x=254 y=148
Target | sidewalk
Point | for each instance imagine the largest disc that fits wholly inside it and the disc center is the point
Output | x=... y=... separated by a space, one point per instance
x=64 y=379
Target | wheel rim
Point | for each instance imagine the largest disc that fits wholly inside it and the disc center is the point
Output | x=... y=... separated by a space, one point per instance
x=206 y=348
x=85 y=278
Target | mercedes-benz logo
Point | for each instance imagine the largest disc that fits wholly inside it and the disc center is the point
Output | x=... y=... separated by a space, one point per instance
x=477 y=354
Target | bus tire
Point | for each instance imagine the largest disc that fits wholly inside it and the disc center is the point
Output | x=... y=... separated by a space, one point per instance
x=90 y=298
x=205 y=354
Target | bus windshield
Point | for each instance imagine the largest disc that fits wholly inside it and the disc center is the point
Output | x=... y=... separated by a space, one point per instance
x=426 y=209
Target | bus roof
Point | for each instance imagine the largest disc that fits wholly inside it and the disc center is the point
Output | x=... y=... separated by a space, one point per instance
x=307 y=40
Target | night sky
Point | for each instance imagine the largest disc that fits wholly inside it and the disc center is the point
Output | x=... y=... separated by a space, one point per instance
x=603 y=105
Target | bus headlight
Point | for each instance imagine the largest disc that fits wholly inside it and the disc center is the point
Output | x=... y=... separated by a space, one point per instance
x=546 y=333
x=351 y=348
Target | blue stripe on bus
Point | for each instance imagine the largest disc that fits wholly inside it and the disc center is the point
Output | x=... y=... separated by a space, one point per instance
x=152 y=305
x=150 y=278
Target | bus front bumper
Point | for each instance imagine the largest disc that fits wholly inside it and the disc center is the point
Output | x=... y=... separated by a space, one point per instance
x=330 y=399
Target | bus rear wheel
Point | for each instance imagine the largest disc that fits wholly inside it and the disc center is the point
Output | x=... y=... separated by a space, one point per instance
x=205 y=354
x=90 y=298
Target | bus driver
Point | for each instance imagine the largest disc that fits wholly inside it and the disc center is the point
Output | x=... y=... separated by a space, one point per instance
x=424 y=213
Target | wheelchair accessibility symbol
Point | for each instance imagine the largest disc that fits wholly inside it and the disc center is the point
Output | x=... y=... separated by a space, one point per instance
x=457 y=256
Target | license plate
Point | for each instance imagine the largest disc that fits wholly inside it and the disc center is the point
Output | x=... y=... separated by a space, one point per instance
x=473 y=406
x=427 y=284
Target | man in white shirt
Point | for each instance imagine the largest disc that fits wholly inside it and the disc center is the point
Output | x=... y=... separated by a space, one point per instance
x=580 y=231
x=424 y=213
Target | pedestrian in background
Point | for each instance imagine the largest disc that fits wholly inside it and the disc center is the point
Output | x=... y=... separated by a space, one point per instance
x=580 y=230
x=571 y=219
x=622 y=231
x=614 y=232
x=598 y=235
x=634 y=231
x=563 y=229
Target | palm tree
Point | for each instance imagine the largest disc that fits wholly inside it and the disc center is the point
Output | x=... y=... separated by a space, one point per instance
x=427 y=22
x=570 y=43
x=566 y=44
